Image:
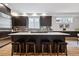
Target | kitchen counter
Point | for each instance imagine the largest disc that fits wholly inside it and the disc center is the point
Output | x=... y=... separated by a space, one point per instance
x=49 y=33
x=72 y=33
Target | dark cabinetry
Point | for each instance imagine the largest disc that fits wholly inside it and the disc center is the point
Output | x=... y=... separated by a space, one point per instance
x=23 y=21
x=19 y=21
x=45 y=20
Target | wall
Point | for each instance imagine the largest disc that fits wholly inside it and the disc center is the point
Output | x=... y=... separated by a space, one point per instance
x=73 y=26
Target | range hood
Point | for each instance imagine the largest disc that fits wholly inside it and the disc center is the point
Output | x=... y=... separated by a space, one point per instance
x=4 y=9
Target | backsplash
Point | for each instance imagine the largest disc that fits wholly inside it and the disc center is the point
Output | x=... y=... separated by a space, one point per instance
x=25 y=29
x=19 y=29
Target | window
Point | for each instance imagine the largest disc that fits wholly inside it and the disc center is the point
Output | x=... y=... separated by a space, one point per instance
x=34 y=22
x=5 y=23
x=64 y=20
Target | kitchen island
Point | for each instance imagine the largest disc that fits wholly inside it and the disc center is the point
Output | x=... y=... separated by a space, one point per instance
x=38 y=36
x=24 y=36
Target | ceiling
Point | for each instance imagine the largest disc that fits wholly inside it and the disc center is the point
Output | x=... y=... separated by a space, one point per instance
x=45 y=7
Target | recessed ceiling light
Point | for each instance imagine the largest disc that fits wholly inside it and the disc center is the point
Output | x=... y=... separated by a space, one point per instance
x=34 y=14
x=6 y=4
x=14 y=14
x=1 y=5
x=24 y=14
x=44 y=14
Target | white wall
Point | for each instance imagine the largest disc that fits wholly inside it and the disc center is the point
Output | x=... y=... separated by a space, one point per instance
x=73 y=26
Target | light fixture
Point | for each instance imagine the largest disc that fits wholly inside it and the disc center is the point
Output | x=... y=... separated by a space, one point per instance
x=14 y=14
x=1 y=5
x=44 y=14
x=34 y=14
x=24 y=14
x=6 y=4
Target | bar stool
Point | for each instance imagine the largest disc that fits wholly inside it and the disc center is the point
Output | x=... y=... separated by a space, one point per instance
x=62 y=47
x=55 y=45
x=31 y=43
x=16 y=48
x=44 y=43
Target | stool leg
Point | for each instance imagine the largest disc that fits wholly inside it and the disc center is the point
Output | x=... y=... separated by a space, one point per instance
x=26 y=49
x=23 y=48
x=15 y=47
x=62 y=48
x=66 y=51
x=42 y=48
x=34 y=49
x=58 y=50
x=50 y=49
x=12 y=50
x=20 y=49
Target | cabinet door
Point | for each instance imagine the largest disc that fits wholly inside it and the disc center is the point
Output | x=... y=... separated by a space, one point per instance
x=45 y=20
x=19 y=21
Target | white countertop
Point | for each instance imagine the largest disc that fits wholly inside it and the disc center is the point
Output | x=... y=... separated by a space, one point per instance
x=49 y=33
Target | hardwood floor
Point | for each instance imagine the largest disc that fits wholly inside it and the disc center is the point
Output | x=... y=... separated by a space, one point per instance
x=73 y=50
x=5 y=51
x=4 y=41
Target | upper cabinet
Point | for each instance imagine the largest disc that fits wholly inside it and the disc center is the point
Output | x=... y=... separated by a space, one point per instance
x=45 y=20
x=24 y=21
x=19 y=21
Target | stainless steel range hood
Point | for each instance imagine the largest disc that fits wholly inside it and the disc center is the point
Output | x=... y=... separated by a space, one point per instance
x=5 y=9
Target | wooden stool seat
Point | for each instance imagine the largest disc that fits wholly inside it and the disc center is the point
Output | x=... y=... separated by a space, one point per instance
x=56 y=46
x=28 y=44
x=44 y=43
x=16 y=48
x=62 y=47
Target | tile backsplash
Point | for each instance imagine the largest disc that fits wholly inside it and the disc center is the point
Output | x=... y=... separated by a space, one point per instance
x=19 y=28
x=25 y=29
